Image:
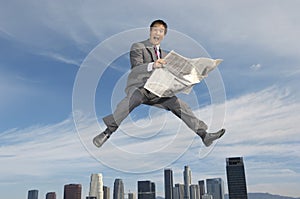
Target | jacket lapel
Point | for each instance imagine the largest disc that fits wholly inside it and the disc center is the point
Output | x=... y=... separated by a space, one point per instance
x=150 y=49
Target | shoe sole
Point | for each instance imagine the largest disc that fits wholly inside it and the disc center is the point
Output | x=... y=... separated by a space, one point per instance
x=223 y=132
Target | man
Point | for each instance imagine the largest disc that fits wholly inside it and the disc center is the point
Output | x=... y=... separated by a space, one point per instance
x=145 y=57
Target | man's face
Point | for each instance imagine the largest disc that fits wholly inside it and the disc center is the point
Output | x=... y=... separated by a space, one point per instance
x=157 y=34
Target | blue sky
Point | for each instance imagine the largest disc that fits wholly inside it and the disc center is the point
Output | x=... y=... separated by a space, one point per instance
x=45 y=140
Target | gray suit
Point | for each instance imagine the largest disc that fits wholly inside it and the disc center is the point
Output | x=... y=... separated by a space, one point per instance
x=141 y=54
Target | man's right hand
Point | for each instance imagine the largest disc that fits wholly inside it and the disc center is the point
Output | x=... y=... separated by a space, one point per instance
x=159 y=63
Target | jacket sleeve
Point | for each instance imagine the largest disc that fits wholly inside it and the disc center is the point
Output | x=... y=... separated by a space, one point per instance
x=139 y=74
x=137 y=57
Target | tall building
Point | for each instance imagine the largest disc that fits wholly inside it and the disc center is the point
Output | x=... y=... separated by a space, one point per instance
x=153 y=190
x=187 y=179
x=72 y=191
x=118 y=189
x=146 y=190
x=178 y=191
x=106 y=192
x=207 y=196
x=194 y=191
x=168 y=179
x=215 y=187
x=51 y=195
x=96 y=186
x=131 y=196
x=236 y=178
x=201 y=188
x=33 y=194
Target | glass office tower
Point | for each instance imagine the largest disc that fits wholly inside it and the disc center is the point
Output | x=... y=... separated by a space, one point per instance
x=118 y=189
x=33 y=194
x=168 y=177
x=187 y=178
x=215 y=187
x=201 y=188
x=146 y=190
x=106 y=192
x=236 y=178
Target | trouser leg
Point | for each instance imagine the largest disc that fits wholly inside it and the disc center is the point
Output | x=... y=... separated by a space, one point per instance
x=183 y=111
x=123 y=109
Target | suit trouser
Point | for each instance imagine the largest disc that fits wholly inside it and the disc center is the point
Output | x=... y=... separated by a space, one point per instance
x=143 y=96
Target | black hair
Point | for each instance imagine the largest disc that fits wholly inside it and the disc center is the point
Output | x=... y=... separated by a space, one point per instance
x=159 y=21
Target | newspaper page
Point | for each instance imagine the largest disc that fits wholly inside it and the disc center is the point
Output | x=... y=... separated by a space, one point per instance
x=179 y=74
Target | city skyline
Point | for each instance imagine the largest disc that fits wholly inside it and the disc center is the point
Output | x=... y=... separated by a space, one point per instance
x=146 y=189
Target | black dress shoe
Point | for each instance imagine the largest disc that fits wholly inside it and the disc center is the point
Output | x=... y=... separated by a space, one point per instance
x=101 y=138
x=208 y=138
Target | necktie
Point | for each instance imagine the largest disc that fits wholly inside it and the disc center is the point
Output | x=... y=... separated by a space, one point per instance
x=157 y=52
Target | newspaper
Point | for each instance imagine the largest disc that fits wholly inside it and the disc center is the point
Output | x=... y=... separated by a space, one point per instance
x=179 y=74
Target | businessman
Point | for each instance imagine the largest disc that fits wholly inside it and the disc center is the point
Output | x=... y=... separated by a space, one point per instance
x=145 y=57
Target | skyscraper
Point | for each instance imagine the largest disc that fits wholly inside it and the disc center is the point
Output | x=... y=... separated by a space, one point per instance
x=178 y=192
x=72 y=191
x=201 y=188
x=194 y=191
x=51 y=195
x=96 y=186
x=153 y=190
x=106 y=192
x=207 y=196
x=236 y=178
x=33 y=194
x=187 y=178
x=131 y=196
x=168 y=174
x=118 y=189
x=146 y=190
x=215 y=187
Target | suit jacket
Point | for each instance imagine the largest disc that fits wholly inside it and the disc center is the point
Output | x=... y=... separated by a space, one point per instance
x=141 y=54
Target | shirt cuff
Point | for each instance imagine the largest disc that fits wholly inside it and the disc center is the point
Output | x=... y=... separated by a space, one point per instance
x=150 y=67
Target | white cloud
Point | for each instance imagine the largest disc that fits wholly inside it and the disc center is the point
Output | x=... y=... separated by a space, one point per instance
x=255 y=66
x=13 y=88
x=83 y=22
x=237 y=22
x=61 y=58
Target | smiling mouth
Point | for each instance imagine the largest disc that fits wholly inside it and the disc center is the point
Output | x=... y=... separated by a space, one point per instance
x=156 y=38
